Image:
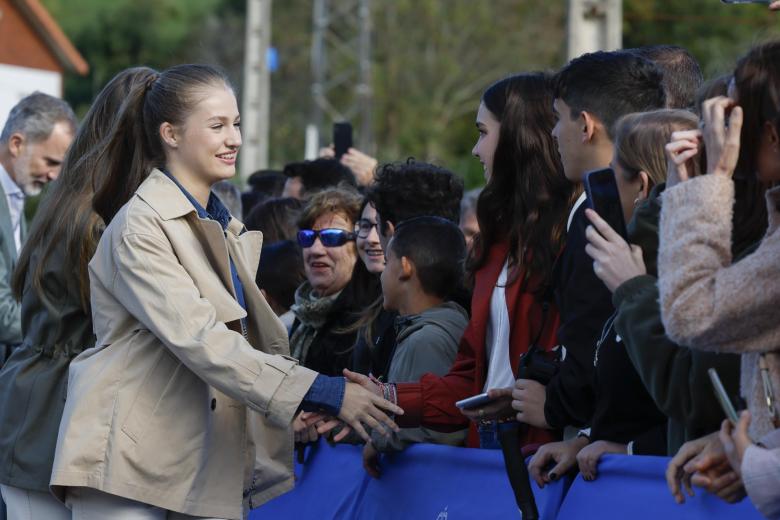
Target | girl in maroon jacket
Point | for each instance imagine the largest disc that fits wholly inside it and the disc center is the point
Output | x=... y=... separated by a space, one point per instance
x=522 y=218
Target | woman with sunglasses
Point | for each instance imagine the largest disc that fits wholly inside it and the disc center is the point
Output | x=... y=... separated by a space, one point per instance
x=328 y=303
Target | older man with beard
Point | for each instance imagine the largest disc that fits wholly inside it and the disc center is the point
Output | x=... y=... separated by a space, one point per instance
x=33 y=143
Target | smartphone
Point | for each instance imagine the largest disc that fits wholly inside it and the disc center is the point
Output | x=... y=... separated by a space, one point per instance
x=604 y=198
x=723 y=397
x=342 y=138
x=473 y=401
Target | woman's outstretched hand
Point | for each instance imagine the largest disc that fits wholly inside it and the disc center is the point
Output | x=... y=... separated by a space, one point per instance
x=362 y=405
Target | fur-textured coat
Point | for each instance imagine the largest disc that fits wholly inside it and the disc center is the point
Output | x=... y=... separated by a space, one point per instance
x=710 y=303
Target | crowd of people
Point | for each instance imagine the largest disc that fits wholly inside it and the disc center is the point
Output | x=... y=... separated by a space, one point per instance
x=167 y=340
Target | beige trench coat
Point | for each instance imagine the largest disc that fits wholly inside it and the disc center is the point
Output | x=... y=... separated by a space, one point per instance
x=174 y=407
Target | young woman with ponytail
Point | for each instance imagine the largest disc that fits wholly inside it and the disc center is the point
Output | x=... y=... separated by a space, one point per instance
x=184 y=406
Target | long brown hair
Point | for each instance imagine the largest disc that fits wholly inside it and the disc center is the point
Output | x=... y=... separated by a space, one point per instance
x=757 y=82
x=66 y=214
x=527 y=199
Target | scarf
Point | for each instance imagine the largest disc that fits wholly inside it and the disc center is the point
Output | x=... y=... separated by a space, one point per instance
x=312 y=312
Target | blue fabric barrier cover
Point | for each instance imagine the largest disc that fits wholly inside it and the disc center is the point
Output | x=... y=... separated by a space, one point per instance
x=635 y=487
x=443 y=483
x=425 y=481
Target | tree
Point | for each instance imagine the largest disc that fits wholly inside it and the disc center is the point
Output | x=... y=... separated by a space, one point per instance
x=124 y=33
x=431 y=58
x=715 y=33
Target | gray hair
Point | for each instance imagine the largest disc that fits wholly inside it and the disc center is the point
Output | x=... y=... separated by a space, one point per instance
x=469 y=202
x=35 y=116
x=230 y=196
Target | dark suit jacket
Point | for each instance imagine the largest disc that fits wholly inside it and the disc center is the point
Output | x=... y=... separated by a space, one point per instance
x=584 y=304
x=10 y=309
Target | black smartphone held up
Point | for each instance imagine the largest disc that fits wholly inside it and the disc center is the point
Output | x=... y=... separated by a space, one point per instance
x=604 y=198
x=342 y=138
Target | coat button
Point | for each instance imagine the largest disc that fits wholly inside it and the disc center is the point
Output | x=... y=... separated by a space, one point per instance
x=213 y=404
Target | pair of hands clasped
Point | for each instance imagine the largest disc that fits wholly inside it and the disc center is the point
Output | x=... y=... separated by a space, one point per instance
x=713 y=462
x=525 y=401
x=362 y=406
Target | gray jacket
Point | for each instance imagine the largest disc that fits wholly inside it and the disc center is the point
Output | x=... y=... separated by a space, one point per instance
x=761 y=474
x=34 y=378
x=426 y=342
x=10 y=309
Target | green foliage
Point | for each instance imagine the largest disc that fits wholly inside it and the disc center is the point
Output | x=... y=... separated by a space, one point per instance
x=716 y=33
x=431 y=61
x=123 y=33
x=431 y=58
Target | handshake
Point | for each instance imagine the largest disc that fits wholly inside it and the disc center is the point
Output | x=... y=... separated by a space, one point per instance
x=366 y=402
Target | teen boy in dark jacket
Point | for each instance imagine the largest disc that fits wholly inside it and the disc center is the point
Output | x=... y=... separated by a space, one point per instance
x=591 y=93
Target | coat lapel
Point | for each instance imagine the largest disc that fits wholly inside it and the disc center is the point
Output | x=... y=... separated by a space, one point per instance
x=165 y=198
x=266 y=332
x=249 y=243
x=216 y=249
x=264 y=329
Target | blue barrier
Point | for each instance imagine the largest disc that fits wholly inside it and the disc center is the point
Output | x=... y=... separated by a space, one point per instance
x=635 y=487
x=443 y=483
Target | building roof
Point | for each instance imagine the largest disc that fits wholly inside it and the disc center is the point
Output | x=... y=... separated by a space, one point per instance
x=51 y=33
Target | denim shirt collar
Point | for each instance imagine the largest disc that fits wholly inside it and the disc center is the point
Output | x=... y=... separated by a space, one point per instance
x=214 y=209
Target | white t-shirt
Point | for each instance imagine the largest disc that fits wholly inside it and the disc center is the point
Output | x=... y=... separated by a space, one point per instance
x=500 y=374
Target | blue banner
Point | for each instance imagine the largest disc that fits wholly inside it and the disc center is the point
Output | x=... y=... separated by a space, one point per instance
x=445 y=483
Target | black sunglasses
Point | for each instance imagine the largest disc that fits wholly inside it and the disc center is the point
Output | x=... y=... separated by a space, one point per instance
x=364 y=226
x=330 y=237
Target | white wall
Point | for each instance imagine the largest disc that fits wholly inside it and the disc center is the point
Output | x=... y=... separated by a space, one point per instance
x=17 y=82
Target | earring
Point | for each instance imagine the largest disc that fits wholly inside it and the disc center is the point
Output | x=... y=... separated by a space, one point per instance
x=637 y=201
